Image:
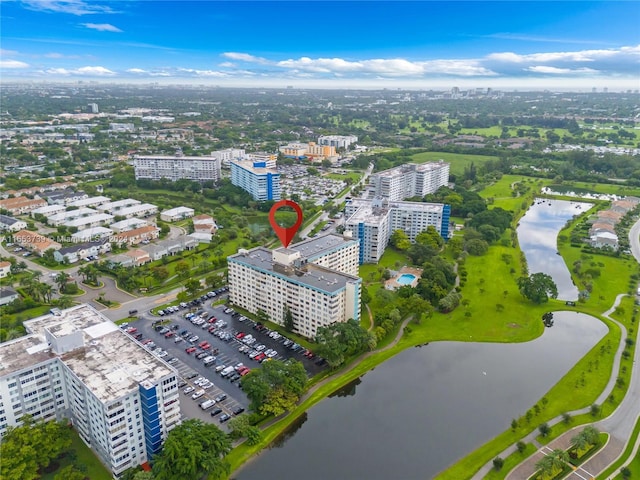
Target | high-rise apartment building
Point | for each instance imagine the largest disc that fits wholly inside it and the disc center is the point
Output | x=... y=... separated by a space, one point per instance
x=76 y=364
x=262 y=182
x=315 y=279
x=227 y=155
x=409 y=180
x=337 y=141
x=177 y=167
x=374 y=221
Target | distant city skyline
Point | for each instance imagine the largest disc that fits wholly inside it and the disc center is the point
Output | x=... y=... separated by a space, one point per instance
x=420 y=45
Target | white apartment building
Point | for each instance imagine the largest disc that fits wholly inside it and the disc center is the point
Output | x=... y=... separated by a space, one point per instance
x=48 y=211
x=409 y=180
x=128 y=224
x=337 y=141
x=176 y=167
x=175 y=214
x=113 y=207
x=263 y=159
x=90 y=202
x=142 y=210
x=269 y=280
x=63 y=217
x=373 y=222
x=96 y=220
x=261 y=182
x=77 y=364
x=226 y=156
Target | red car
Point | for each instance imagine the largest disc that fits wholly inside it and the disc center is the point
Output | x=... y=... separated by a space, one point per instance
x=190 y=350
x=204 y=345
x=148 y=340
x=212 y=319
x=132 y=330
x=212 y=329
x=260 y=357
x=244 y=370
x=169 y=334
x=240 y=335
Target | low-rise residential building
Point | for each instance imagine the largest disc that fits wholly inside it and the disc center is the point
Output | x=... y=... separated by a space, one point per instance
x=35 y=242
x=128 y=224
x=156 y=252
x=270 y=280
x=265 y=159
x=136 y=236
x=175 y=214
x=48 y=211
x=22 y=205
x=79 y=251
x=64 y=197
x=10 y=224
x=114 y=207
x=76 y=364
x=93 y=234
x=90 y=202
x=5 y=269
x=8 y=295
x=61 y=218
x=204 y=224
x=142 y=210
x=96 y=220
x=226 y=156
x=139 y=256
x=309 y=150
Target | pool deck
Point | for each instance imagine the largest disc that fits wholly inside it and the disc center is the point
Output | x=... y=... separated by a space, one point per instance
x=392 y=283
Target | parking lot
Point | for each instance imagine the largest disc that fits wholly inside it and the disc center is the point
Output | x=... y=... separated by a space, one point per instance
x=173 y=333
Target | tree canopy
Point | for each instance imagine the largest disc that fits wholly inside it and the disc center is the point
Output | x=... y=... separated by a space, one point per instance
x=275 y=387
x=538 y=287
x=192 y=450
x=342 y=339
x=32 y=446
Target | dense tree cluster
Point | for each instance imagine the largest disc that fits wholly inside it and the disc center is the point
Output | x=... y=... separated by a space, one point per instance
x=538 y=287
x=339 y=341
x=32 y=446
x=275 y=387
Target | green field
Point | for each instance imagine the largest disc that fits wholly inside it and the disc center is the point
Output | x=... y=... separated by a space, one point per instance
x=458 y=161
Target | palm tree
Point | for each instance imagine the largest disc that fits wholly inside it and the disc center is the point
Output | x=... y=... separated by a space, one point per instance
x=61 y=280
x=591 y=434
x=545 y=466
x=65 y=301
x=559 y=458
x=579 y=441
x=44 y=290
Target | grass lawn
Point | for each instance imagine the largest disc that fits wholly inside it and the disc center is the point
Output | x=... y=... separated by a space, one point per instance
x=95 y=469
x=511 y=462
x=458 y=161
x=502 y=192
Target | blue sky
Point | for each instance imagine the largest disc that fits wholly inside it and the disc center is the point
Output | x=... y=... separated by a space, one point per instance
x=418 y=44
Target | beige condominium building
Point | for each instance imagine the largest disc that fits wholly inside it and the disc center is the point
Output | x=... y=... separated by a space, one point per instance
x=315 y=279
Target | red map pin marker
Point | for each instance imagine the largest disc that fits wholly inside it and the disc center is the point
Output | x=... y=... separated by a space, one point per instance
x=285 y=234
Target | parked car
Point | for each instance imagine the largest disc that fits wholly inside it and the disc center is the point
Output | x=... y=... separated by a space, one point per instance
x=188 y=390
x=216 y=411
x=238 y=410
x=221 y=397
x=190 y=350
x=224 y=417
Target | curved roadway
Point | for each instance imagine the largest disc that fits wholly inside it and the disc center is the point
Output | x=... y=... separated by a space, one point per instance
x=618 y=425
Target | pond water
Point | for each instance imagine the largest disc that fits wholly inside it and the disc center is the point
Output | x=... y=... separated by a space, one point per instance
x=423 y=409
x=538 y=238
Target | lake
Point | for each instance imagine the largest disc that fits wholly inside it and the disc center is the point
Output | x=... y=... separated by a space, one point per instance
x=538 y=238
x=423 y=409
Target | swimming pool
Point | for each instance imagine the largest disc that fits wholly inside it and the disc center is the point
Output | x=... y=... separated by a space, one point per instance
x=406 y=279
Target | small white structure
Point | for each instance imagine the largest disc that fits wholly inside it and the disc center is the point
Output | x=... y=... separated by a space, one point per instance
x=175 y=214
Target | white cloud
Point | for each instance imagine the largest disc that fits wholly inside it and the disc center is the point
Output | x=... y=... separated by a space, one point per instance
x=7 y=53
x=227 y=65
x=203 y=73
x=102 y=27
x=82 y=71
x=561 y=71
x=73 y=7
x=13 y=64
x=136 y=70
x=245 y=57
x=577 y=56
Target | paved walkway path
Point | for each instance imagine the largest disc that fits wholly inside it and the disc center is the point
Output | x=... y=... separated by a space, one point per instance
x=619 y=425
x=615 y=425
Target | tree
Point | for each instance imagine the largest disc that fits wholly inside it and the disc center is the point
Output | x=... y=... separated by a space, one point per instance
x=61 y=280
x=594 y=410
x=32 y=446
x=476 y=247
x=192 y=450
x=431 y=238
x=182 y=270
x=538 y=287
x=275 y=387
x=544 y=429
x=70 y=472
x=241 y=427
x=65 y=301
x=160 y=273
x=192 y=286
x=498 y=463
x=521 y=447
x=288 y=319
x=342 y=339
x=400 y=240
